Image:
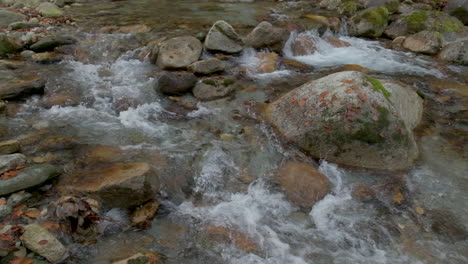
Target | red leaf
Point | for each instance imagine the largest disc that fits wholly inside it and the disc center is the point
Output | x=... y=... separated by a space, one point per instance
x=43 y=242
x=347 y=81
x=327 y=128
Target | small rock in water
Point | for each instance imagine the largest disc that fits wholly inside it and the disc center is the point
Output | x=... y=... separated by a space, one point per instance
x=27 y=53
x=265 y=35
x=143 y=215
x=363 y=193
x=337 y=43
x=427 y=42
x=47 y=57
x=211 y=89
x=302 y=183
x=39 y=240
x=222 y=37
x=9 y=147
x=179 y=52
x=267 y=62
x=7 y=46
x=175 y=83
x=29 y=177
x=207 y=66
x=303 y=45
x=133 y=29
x=455 y=52
x=420 y=210
x=49 y=43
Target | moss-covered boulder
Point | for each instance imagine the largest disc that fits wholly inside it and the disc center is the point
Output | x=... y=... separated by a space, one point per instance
x=351 y=118
x=7 y=46
x=426 y=42
x=458 y=9
x=49 y=10
x=370 y=22
x=456 y=52
x=420 y=20
x=8 y=17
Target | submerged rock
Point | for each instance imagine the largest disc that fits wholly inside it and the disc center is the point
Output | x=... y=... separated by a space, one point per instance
x=303 y=45
x=222 y=37
x=14 y=87
x=117 y=184
x=208 y=66
x=47 y=57
x=179 y=52
x=49 y=43
x=211 y=89
x=351 y=118
x=267 y=62
x=427 y=42
x=29 y=177
x=265 y=35
x=9 y=146
x=302 y=184
x=39 y=240
x=175 y=83
x=370 y=22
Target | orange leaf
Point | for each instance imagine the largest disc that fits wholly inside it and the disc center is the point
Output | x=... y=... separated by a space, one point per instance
x=2 y=201
x=349 y=90
x=293 y=101
x=303 y=102
x=32 y=214
x=52 y=226
x=27 y=261
x=347 y=81
x=43 y=242
x=398 y=198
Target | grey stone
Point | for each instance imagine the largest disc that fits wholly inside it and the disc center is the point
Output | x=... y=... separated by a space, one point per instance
x=23 y=25
x=37 y=239
x=17 y=198
x=455 y=52
x=458 y=9
x=8 y=17
x=9 y=162
x=29 y=177
x=427 y=42
x=352 y=119
x=265 y=35
x=211 y=89
x=7 y=46
x=207 y=66
x=49 y=43
x=5 y=210
x=175 y=83
x=179 y=52
x=370 y=22
x=49 y=10
x=222 y=37
x=12 y=86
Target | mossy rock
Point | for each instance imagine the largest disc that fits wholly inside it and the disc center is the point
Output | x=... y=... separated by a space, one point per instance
x=432 y=20
x=7 y=46
x=370 y=22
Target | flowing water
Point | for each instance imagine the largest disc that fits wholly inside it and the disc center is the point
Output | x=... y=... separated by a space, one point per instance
x=219 y=205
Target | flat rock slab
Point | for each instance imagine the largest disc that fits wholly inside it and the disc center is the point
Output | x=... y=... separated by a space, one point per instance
x=12 y=86
x=9 y=146
x=8 y=17
x=29 y=177
x=49 y=43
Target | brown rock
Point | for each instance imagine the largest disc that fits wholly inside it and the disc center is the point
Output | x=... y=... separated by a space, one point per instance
x=9 y=146
x=337 y=43
x=117 y=184
x=363 y=193
x=302 y=184
x=303 y=45
x=143 y=215
x=226 y=235
x=133 y=29
x=267 y=62
x=62 y=99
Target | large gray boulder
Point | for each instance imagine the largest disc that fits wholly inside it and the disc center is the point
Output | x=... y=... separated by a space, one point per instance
x=222 y=37
x=455 y=52
x=37 y=239
x=427 y=42
x=29 y=177
x=175 y=83
x=8 y=17
x=352 y=119
x=265 y=35
x=370 y=22
x=179 y=52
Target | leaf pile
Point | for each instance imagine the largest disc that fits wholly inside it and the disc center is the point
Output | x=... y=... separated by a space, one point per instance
x=9 y=238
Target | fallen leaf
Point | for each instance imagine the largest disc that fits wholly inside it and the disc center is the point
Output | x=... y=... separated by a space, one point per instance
x=293 y=101
x=3 y=201
x=420 y=210
x=347 y=81
x=327 y=128
x=32 y=214
x=349 y=90
x=43 y=242
x=398 y=198
x=302 y=102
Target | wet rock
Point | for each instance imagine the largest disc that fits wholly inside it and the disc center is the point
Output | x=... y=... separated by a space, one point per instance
x=179 y=52
x=455 y=53
x=50 y=10
x=11 y=88
x=211 y=89
x=222 y=37
x=363 y=193
x=143 y=215
x=397 y=43
x=265 y=35
x=267 y=62
x=175 y=83
x=351 y=118
x=207 y=66
x=27 y=53
x=370 y=22
x=303 y=45
x=29 y=177
x=47 y=57
x=133 y=29
x=8 y=17
x=427 y=42
x=223 y=234
x=354 y=67
x=7 y=46
x=458 y=9
x=23 y=25
x=39 y=240
x=2 y=107
x=11 y=64
x=147 y=257
x=17 y=198
x=30 y=3
x=117 y=184
x=9 y=146
x=337 y=43
x=296 y=65
x=447 y=225
x=9 y=162
x=51 y=42
x=62 y=99
x=302 y=184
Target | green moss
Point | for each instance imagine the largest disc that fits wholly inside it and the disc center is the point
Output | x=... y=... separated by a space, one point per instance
x=376 y=16
x=350 y=8
x=416 y=20
x=209 y=82
x=392 y=6
x=371 y=131
x=447 y=25
x=228 y=82
x=378 y=87
x=7 y=46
